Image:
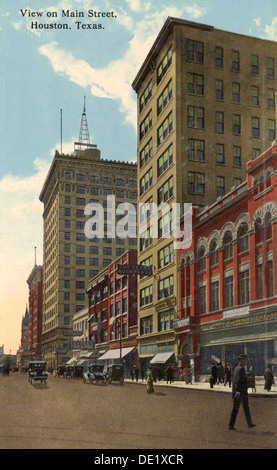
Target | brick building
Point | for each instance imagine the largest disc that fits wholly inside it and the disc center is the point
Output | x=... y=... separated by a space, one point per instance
x=227 y=278
x=113 y=312
x=35 y=281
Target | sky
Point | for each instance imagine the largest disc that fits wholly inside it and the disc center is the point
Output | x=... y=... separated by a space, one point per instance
x=44 y=71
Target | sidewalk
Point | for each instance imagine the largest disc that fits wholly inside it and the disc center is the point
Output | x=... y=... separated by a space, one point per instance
x=260 y=392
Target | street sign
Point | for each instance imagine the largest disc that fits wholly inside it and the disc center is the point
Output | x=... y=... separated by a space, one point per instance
x=137 y=269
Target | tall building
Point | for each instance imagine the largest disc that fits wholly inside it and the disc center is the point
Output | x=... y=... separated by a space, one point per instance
x=206 y=105
x=34 y=282
x=71 y=259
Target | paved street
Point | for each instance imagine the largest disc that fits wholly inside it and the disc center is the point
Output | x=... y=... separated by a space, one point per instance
x=68 y=414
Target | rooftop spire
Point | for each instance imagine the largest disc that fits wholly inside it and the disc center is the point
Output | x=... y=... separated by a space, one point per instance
x=84 y=138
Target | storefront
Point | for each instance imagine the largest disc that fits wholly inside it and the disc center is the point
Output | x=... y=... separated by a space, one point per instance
x=254 y=335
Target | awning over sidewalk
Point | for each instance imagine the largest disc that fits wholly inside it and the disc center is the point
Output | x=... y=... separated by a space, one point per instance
x=161 y=358
x=71 y=361
x=115 y=354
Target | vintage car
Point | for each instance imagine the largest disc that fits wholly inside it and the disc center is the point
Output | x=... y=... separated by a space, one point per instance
x=78 y=372
x=37 y=372
x=69 y=372
x=60 y=372
x=95 y=373
x=115 y=373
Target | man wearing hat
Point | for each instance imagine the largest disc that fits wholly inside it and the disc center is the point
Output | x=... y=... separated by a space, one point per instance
x=240 y=393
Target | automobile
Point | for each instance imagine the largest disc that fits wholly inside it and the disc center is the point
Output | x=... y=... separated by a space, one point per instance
x=115 y=373
x=60 y=372
x=37 y=372
x=95 y=373
x=78 y=372
x=69 y=371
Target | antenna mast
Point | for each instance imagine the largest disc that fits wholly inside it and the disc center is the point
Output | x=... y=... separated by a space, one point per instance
x=84 y=138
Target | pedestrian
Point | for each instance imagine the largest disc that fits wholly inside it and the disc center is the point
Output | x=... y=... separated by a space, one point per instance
x=228 y=375
x=150 y=386
x=136 y=373
x=169 y=374
x=142 y=374
x=214 y=372
x=269 y=379
x=133 y=373
x=220 y=373
x=240 y=393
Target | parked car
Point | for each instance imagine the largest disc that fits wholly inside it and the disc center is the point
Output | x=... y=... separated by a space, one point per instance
x=78 y=372
x=60 y=372
x=68 y=372
x=95 y=373
x=115 y=373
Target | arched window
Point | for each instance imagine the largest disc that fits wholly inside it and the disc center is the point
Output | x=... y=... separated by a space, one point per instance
x=258 y=231
x=268 y=226
x=243 y=240
x=228 y=245
x=202 y=259
x=214 y=252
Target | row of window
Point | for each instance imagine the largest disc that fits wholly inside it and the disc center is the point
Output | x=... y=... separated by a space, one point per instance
x=96 y=179
x=94 y=191
x=265 y=289
x=81 y=237
x=165 y=322
x=93 y=249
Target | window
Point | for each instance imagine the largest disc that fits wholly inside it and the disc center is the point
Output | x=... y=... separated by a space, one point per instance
x=219 y=121
x=270 y=98
x=165 y=160
x=236 y=124
x=165 y=256
x=260 y=281
x=165 y=320
x=93 y=179
x=195 y=117
x=146 y=295
x=164 y=65
x=244 y=287
x=255 y=95
x=203 y=299
x=196 y=183
x=255 y=127
x=235 y=61
x=237 y=156
x=270 y=279
x=145 y=125
x=165 y=224
x=67 y=187
x=255 y=153
x=219 y=57
x=164 y=97
x=270 y=67
x=195 y=51
x=229 y=291
x=80 y=177
x=215 y=295
x=220 y=156
x=195 y=84
x=165 y=192
x=107 y=250
x=118 y=307
x=237 y=182
x=196 y=150
x=219 y=95
x=146 y=95
x=254 y=61
x=214 y=253
x=164 y=129
x=228 y=245
x=146 y=181
x=146 y=325
x=202 y=259
x=146 y=239
x=243 y=241
x=165 y=287
x=80 y=248
x=146 y=153
x=220 y=186
x=67 y=200
x=271 y=129
x=80 y=189
x=235 y=92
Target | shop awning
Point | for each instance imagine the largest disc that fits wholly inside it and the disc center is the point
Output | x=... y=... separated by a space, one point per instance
x=71 y=361
x=161 y=358
x=82 y=362
x=115 y=354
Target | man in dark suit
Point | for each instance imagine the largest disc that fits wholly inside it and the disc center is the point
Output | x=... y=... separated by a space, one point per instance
x=240 y=393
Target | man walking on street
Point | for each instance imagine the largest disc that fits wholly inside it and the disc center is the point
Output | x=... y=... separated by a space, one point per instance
x=240 y=393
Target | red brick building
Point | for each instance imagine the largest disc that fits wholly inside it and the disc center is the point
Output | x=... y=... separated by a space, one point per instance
x=34 y=282
x=113 y=312
x=228 y=277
